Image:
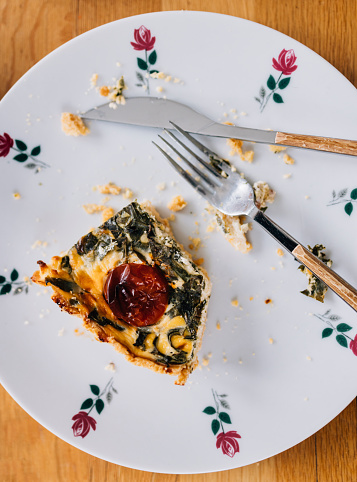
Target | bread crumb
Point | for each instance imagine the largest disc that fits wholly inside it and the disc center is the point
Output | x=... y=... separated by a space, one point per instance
x=110 y=367
x=277 y=149
x=109 y=188
x=306 y=399
x=218 y=325
x=205 y=361
x=307 y=197
x=128 y=193
x=158 y=75
x=199 y=261
x=271 y=341
x=159 y=88
x=195 y=243
x=286 y=176
x=240 y=362
x=272 y=268
x=17 y=195
x=177 y=203
x=210 y=228
x=73 y=125
x=308 y=358
x=161 y=186
x=288 y=159
x=104 y=90
x=224 y=359
x=263 y=194
x=172 y=217
x=268 y=301
x=235 y=302
x=235 y=145
x=248 y=156
x=168 y=78
x=280 y=252
x=114 y=92
x=93 y=208
x=93 y=80
x=107 y=214
x=251 y=298
x=60 y=332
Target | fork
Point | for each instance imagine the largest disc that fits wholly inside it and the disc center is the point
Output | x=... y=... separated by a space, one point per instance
x=231 y=194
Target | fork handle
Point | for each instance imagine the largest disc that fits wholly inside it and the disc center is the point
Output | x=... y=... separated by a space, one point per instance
x=329 y=144
x=343 y=289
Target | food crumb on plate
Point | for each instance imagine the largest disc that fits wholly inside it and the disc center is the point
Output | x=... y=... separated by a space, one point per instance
x=287 y=176
x=128 y=193
x=235 y=302
x=271 y=341
x=93 y=80
x=107 y=213
x=199 y=261
x=277 y=149
x=110 y=188
x=268 y=301
x=93 y=208
x=161 y=186
x=73 y=125
x=288 y=159
x=195 y=243
x=177 y=203
x=60 y=332
x=308 y=358
x=159 y=88
x=218 y=325
x=280 y=252
x=110 y=367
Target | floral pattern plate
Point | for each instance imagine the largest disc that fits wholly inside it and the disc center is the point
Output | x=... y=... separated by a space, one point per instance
x=275 y=365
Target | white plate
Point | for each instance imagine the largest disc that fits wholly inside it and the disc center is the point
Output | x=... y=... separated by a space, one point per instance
x=278 y=394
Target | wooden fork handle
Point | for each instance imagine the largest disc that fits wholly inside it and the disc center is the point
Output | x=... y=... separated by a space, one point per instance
x=329 y=277
x=329 y=144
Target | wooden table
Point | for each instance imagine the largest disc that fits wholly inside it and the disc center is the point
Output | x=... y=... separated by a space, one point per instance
x=29 y=30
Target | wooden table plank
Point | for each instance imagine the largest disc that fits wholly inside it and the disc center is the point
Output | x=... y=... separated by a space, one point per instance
x=29 y=29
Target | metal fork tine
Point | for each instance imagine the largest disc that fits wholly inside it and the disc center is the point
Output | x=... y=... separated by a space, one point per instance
x=197 y=185
x=202 y=148
x=210 y=182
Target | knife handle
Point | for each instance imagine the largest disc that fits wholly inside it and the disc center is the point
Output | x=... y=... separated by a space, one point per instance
x=329 y=144
x=343 y=289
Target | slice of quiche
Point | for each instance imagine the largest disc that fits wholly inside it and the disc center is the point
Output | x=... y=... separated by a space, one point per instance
x=135 y=287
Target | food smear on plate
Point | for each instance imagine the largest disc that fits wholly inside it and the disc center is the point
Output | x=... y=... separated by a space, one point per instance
x=316 y=289
x=136 y=288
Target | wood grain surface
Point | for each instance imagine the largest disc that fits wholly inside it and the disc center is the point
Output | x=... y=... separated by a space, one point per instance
x=30 y=29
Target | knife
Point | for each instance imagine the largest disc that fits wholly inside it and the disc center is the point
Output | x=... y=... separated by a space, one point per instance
x=158 y=112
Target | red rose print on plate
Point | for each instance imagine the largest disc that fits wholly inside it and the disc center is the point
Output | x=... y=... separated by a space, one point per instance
x=353 y=345
x=286 y=65
x=6 y=144
x=143 y=40
x=82 y=421
x=226 y=441
x=82 y=425
x=285 y=62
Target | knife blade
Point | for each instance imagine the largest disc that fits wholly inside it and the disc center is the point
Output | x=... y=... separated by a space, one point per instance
x=158 y=112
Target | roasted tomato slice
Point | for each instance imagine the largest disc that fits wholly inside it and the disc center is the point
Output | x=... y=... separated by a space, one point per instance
x=137 y=293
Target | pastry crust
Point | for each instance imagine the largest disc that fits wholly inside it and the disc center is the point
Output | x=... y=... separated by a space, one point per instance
x=137 y=234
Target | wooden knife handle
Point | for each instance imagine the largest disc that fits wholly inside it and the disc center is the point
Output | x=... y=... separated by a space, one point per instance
x=327 y=275
x=329 y=144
